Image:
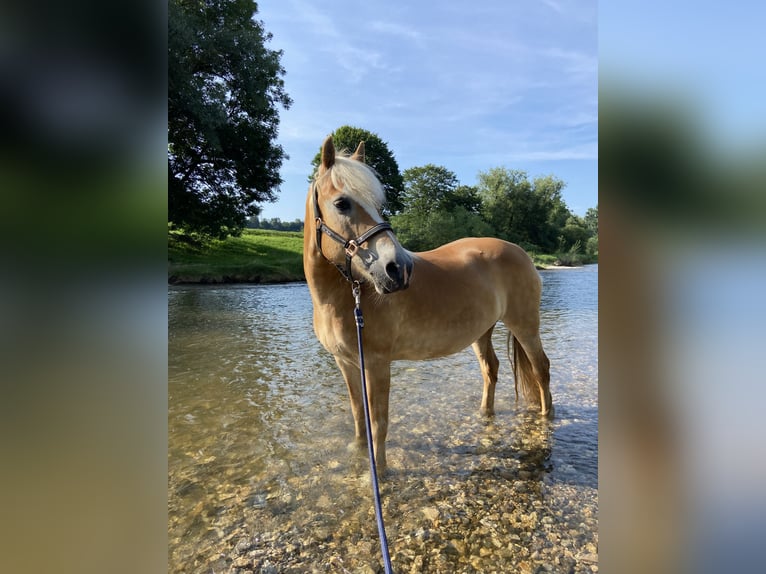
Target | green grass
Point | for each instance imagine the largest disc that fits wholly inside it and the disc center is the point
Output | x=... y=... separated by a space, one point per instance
x=257 y=256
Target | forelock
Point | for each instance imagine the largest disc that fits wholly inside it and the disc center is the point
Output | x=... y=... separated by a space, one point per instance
x=359 y=181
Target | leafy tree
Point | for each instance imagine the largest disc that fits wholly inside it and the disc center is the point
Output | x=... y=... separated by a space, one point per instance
x=224 y=87
x=574 y=232
x=509 y=204
x=533 y=214
x=551 y=209
x=591 y=220
x=591 y=247
x=420 y=232
x=437 y=209
x=377 y=156
x=428 y=188
x=465 y=196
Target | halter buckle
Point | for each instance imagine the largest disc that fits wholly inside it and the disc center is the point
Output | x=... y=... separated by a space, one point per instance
x=351 y=248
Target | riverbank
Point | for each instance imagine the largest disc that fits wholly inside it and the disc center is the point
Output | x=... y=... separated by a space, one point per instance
x=260 y=256
x=257 y=256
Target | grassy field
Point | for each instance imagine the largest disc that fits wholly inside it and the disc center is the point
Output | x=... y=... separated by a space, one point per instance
x=257 y=256
x=260 y=256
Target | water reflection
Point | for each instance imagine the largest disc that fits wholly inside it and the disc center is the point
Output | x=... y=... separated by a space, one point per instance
x=261 y=475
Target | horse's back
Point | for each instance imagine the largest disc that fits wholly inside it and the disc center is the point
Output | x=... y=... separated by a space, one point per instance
x=482 y=255
x=487 y=268
x=457 y=293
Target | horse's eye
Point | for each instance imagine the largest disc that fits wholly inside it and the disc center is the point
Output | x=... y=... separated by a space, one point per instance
x=342 y=204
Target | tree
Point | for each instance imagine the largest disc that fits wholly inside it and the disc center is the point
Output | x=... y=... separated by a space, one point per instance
x=467 y=197
x=591 y=247
x=427 y=188
x=553 y=212
x=419 y=232
x=224 y=87
x=574 y=232
x=509 y=203
x=591 y=220
x=377 y=156
x=530 y=213
x=437 y=209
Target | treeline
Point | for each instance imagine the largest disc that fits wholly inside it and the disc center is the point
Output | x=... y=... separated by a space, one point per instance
x=274 y=223
x=504 y=203
x=436 y=209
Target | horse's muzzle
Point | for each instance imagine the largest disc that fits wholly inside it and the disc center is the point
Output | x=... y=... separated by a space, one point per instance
x=398 y=274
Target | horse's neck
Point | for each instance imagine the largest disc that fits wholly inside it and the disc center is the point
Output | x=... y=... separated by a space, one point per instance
x=325 y=281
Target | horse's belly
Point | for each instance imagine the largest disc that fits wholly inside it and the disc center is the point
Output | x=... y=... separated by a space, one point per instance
x=439 y=340
x=430 y=351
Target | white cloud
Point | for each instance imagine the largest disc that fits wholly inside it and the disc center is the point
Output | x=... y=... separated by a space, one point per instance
x=396 y=29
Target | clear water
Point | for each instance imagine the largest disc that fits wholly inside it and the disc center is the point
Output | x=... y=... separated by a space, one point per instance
x=261 y=477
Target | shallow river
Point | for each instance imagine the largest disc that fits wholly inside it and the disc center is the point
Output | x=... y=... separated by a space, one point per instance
x=261 y=478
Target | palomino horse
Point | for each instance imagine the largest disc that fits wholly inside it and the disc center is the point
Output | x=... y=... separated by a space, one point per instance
x=416 y=305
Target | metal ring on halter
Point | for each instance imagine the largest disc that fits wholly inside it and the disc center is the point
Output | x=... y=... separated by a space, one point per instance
x=351 y=248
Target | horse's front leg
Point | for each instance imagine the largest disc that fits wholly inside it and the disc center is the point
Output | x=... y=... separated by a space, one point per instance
x=378 y=375
x=351 y=374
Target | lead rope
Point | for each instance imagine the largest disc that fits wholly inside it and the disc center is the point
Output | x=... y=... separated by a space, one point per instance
x=356 y=290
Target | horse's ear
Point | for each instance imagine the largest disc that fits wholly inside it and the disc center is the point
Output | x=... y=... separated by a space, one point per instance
x=328 y=153
x=359 y=153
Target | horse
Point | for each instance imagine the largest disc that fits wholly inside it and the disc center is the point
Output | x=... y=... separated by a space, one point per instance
x=416 y=305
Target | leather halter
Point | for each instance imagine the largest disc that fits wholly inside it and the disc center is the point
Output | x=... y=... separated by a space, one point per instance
x=350 y=246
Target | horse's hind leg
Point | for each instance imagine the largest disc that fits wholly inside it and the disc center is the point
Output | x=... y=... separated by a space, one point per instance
x=489 y=365
x=532 y=369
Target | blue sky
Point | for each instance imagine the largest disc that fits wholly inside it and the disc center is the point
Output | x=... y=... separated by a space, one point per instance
x=468 y=86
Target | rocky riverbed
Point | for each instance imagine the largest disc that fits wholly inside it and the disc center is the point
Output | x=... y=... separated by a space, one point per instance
x=504 y=504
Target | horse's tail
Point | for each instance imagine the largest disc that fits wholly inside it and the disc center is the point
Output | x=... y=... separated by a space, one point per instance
x=524 y=375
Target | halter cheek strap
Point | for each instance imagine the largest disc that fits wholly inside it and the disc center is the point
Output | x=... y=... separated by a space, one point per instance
x=350 y=246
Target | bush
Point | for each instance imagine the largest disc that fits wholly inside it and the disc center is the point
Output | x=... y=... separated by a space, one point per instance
x=571 y=257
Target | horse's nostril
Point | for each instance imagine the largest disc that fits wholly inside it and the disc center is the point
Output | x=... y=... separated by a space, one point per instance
x=392 y=270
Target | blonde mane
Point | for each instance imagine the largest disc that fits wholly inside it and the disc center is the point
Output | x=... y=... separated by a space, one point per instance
x=359 y=181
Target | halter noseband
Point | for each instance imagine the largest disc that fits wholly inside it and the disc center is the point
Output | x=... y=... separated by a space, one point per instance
x=350 y=246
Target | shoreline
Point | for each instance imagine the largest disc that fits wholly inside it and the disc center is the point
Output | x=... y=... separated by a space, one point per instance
x=234 y=279
x=560 y=267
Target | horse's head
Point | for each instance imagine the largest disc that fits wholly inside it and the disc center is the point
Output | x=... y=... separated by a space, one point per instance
x=347 y=197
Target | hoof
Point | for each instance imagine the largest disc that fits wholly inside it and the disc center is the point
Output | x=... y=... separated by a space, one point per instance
x=381 y=466
x=358 y=444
